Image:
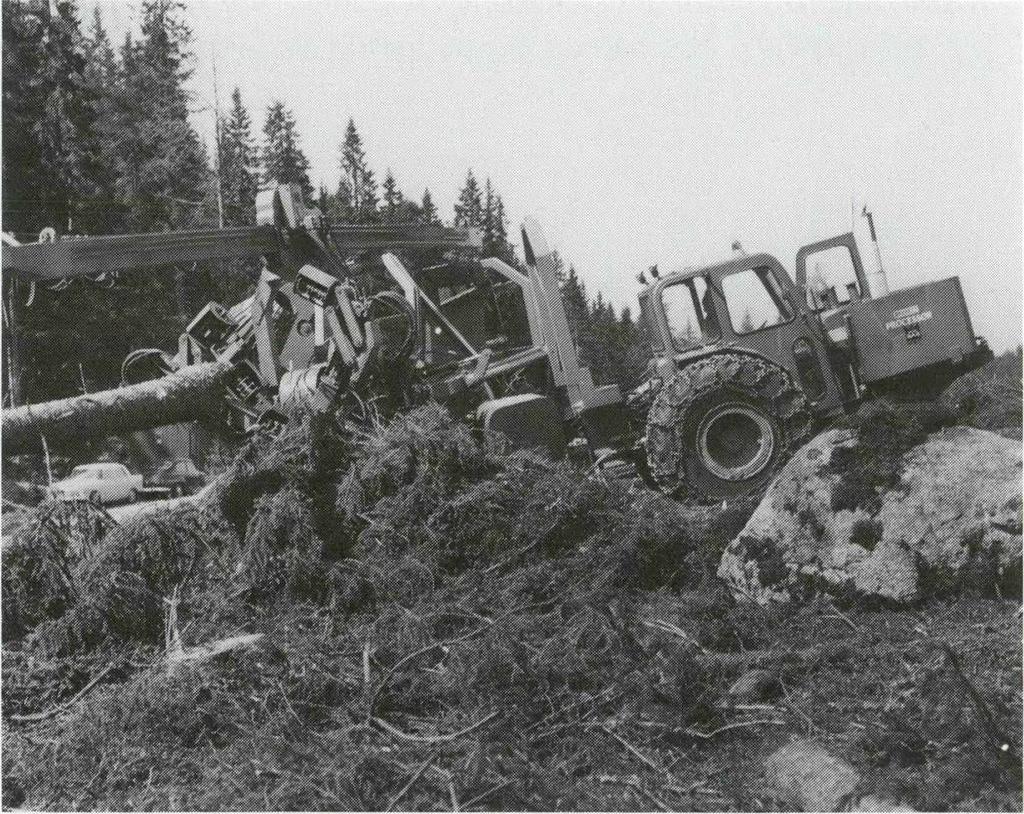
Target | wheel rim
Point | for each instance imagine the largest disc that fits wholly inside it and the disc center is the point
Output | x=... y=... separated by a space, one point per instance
x=735 y=442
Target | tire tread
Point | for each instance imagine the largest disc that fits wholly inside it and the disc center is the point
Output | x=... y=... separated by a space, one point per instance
x=753 y=377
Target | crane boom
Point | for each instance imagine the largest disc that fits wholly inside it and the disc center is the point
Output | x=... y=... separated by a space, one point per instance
x=86 y=256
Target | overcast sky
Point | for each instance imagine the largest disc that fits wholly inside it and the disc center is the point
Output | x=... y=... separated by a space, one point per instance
x=640 y=134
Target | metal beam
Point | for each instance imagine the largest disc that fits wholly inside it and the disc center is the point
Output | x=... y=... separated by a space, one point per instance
x=76 y=257
x=80 y=256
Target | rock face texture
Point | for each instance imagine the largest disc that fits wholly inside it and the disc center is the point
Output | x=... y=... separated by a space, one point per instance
x=957 y=508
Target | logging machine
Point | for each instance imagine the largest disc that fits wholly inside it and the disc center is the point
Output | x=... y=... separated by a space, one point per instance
x=745 y=359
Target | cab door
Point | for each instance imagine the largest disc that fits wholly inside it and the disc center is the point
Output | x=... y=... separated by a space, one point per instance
x=762 y=310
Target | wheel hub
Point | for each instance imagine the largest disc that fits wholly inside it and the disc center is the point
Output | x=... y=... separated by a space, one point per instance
x=735 y=441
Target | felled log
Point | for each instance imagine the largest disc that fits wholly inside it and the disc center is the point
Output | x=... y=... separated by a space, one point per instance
x=188 y=394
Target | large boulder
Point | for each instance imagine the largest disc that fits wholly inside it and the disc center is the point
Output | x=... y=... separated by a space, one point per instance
x=956 y=511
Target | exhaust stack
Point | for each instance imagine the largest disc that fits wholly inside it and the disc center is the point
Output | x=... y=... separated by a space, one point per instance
x=881 y=282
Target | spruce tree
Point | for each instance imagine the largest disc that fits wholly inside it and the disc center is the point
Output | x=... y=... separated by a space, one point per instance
x=101 y=62
x=238 y=170
x=357 y=190
x=324 y=201
x=163 y=174
x=239 y=182
x=612 y=347
x=392 y=198
x=104 y=213
x=164 y=177
x=344 y=204
x=487 y=220
x=50 y=151
x=574 y=297
x=429 y=211
x=368 y=203
x=503 y=248
x=51 y=177
x=469 y=207
x=282 y=159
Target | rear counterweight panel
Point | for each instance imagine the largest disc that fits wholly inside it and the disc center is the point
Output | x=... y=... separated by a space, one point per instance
x=912 y=328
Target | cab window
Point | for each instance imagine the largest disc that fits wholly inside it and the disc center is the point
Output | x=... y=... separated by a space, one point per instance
x=831 y=278
x=755 y=300
x=652 y=328
x=690 y=314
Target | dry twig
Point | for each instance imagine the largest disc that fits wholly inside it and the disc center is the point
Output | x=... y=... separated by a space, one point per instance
x=42 y=716
x=633 y=750
x=398 y=733
x=412 y=780
x=486 y=794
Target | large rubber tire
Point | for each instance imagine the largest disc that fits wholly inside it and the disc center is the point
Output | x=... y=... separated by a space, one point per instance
x=723 y=426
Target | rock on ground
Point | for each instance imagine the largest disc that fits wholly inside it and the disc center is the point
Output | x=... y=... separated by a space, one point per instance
x=959 y=499
x=807 y=777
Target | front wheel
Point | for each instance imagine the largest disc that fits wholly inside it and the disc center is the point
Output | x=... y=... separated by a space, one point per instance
x=723 y=426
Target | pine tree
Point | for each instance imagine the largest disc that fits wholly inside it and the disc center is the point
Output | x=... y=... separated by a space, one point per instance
x=283 y=161
x=392 y=198
x=238 y=171
x=469 y=207
x=429 y=211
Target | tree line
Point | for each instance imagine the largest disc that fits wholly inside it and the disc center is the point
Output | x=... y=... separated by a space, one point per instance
x=98 y=140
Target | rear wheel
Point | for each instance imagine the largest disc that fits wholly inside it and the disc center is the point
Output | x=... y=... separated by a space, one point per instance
x=724 y=425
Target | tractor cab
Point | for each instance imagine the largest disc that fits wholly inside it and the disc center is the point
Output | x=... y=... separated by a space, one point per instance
x=750 y=303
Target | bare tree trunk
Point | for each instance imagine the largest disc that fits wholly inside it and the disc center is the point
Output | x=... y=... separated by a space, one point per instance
x=186 y=395
x=11 y=341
